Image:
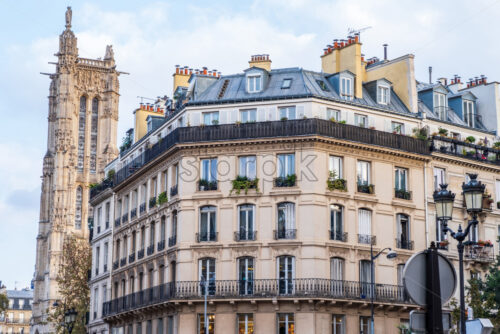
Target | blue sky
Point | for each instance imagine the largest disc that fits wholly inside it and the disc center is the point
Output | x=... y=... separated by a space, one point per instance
x=151 y=37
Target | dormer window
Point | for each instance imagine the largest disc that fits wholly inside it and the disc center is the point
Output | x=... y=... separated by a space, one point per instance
x=469 y=117
x=383 y=94
x=346 y=88
x=254 y=83
x=286 y=84
x=440 y=106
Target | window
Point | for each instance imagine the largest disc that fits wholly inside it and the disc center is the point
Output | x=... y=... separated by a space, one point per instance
x=440 y=235
x=96 y=301
x=346 y=88
x=82 y=120
x=336 y=223
x=287 y=83
x=107 y=212
x=403 y=231
x=93 y=134
x=210 y=118
x=286 y=274
x=209 y=169
x=174 y=224
x=364 y=325
x=360 y=120
x=78 y=208
x=152 y=236
x=247 y=167
x=337 y=276
x=206 y=327
x=398 y=128
x=440 y=106
x=207 y=224
x=246 y=275
x=207 y=275
x=365 y=277
x=149 y=327
x=162 y=229
x=335 y=167
x=474 y=233
x=322 y=85
x=98 y=218
x=245 y=323
x=159 y=327
x=469 y=117
x=246 y=213
x=338 y=324
x=97 y=256
x=400 y=269
x=143 y=237
x=287 y=113
x=383 y=94
x=286 y=323
x=333 y=114
x=439 y=177
x=249 y=115
x=254 y=83
x=286 y=221
x=138 y=328
x=363 y=173
x=400 y=178
x=170 y=324
x=364 y=226
x=286 y=165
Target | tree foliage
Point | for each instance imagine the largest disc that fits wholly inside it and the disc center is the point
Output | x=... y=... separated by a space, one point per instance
x=72 y=278
x=4 y=302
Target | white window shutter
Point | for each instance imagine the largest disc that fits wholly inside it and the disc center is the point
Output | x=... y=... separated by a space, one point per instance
x=371 y=121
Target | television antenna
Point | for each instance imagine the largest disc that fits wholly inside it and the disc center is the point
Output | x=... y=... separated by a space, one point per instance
x=352 y=31
x=145 y=98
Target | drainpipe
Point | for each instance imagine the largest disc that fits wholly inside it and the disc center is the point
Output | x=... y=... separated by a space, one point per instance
x=426 y=210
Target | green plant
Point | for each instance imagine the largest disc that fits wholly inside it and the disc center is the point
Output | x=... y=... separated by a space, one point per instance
x=284 y=118
x=287 y=181
x=162 y=198
x=126 y=143
x=342 y=122
x=111 y=173
x=93 y=185
x=443 y=132
x=204 y=184
x=243 y=182
x=496 y=144
x=215 y=122
x=332 y=119
x=470 y=139
x=420 y=133
x=335 y=183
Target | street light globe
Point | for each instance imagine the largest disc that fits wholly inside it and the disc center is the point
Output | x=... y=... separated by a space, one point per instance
x=473 y=194
x=443 y=199
x=391 y=255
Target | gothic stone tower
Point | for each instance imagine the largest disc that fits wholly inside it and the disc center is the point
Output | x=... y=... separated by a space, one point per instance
x=83 y=117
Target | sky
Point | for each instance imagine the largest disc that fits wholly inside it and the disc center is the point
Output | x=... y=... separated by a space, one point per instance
x=151 y=37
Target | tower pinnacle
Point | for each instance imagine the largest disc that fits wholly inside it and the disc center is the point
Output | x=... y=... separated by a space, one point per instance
x=69 y=15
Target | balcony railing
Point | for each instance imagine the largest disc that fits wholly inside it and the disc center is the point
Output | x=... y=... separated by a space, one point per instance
x=243 y=235
x=366 y=188
x=172 y=241
x=285 y=181
x=151 y=249
x=115 y=265
x=204 y=185
x=161 y=245
x=338 y=236
x=117 y=222
x=465 y=150
x=125 y=218
x=479 y=253
x=285 y=234
x=142 y=208
x=206 y=236
x=402 y=194
x=140 y=254
x=97 y=189
x=290 y=128
x=404 y=244
x=123 y=261
x=174 y=190
x=259 y=288
x=367 y=239
x=133 y=213
x=152 y=202
x=131 y=258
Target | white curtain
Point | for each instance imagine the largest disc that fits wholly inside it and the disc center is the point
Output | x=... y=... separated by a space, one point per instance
x=337 y=269
x=365 y=222
x=289 y=216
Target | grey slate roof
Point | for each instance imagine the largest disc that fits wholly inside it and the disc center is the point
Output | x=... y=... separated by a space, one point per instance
x=20 y=294
x=304 y=84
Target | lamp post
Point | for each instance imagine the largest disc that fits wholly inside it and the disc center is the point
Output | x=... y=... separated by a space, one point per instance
x=204 y=287
x=390 y=255
x=69 y=319
x=473 y=195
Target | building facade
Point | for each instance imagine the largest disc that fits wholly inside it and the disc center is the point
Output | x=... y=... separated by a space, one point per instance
x=16 y=319
x=82 y=120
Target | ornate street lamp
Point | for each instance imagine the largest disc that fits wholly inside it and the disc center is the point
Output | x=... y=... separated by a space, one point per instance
x=69 y=319
x=390 y=255
x=473 y=195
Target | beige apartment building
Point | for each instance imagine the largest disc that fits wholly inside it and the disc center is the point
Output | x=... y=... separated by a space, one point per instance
x=16 y=318
x=264 y=192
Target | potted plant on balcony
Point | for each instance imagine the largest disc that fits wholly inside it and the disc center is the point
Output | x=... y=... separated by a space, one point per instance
x=162 y=198
x=335 y=183
x=480 y=243
x=243 y=182
x=498 y=205
x=496 y=145
x=488 y=243
x=443 y=132
x=470 y=139
x=284 y=118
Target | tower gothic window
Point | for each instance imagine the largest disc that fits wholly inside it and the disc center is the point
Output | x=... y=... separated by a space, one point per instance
x=78 y=209
x=93 y=134
x=81 y=131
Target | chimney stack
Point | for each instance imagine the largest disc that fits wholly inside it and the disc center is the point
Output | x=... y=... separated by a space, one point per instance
x=385 y=52
x=261 y=61
x=430 y=74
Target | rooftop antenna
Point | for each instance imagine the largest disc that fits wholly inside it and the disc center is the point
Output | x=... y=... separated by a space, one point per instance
x=145 y=98
x=352 y=31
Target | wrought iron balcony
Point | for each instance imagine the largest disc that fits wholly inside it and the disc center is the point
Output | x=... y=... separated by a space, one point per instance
x=125 y=218
x=465 y=150
x=152 y=202
x=151 y=249
x=142 y=208
x=140 y=254
x=161 y=245
x=290 y=128
x=404 y=244
x=287 y=181
x=131 y=258
x=243 y=235
x=123 y=261
x=402 y=194
x=172 y=241
x=97 y=189
x=133 y=213
x=115 y=265
x=117 y=222
x=204 y=185
x=259 y=288
x=98 y=229
x=479 y=252
x=174 y=190
x=206 y=236
x=285 y=234
x=366 y=188
x=367 y=239
x=338 y=236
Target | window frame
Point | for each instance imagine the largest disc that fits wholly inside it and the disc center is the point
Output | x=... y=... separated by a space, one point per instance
x=346 y=88
x=246 y=321
x=249 y=114
x=398 y=172
x=333 y=113
x=358 y=118
x=288 y=112
x=213 y=117
x=286 y=86
x=246 y=161
x=287 y=322
x=254 y=83
x=383 y=94
x=341 y=323
x=287 y=166
x=211 y=211
x=211 y=163
x=360 y=170
x=334 y=160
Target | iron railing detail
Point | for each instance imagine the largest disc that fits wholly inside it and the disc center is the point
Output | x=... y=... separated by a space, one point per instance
x=404 y=244
x=244 y=235
x=367 y=239
x=285 y=234
x=338 y=236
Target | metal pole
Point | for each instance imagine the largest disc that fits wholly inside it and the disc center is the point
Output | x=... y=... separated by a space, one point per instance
x=206 y=319
x=372 y=275
x=460 y=248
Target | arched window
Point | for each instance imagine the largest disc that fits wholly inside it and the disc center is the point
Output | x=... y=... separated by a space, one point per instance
x=208 y=230
x=246 y=214
x=78 y=208
x=246 y=275
x=403 y=239
x=365 y=226
x=286 y=221
x=93 y=134
x=82 y=117
x=337 y=222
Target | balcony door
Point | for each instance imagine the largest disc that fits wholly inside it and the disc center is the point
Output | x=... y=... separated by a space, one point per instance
x=336 y=228
x=246 y=275
x=403 y=223
x=365 y=277
x=286 y=274
x=207 y=275
x=207 y=223
x=337 y=275
x=246 y=217
x=286 y=220
x=365 y=226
